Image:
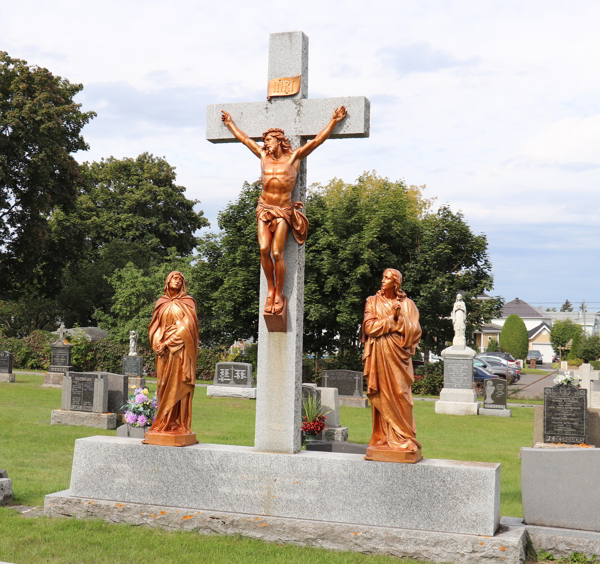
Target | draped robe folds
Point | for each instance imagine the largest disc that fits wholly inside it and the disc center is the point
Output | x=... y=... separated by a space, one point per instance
x=291 y=214
x=389 y=347
x=174 y=324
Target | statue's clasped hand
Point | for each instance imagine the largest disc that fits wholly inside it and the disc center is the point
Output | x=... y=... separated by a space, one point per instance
x=160 y=349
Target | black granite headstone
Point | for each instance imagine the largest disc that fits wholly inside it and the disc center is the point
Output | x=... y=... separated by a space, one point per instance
x=565 y=414
x=233 y=374
x=495 y=393
x=82 y=392
x=6 y=362
x=347 y=382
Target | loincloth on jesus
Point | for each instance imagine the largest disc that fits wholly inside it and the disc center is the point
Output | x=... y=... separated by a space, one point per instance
x=291 y=214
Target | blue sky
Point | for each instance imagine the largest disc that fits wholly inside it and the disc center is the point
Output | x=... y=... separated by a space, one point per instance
x=493 y=105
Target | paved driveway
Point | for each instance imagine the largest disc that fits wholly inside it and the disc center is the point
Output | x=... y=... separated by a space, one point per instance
x=534 y=390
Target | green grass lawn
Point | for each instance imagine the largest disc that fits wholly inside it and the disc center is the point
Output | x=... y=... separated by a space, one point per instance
x=38 y=457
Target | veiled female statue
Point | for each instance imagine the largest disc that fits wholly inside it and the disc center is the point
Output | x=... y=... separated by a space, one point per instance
x=173 y=335
x=391 y=333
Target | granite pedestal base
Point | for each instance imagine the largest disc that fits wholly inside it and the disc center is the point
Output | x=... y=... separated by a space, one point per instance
x=456 y=401
x=168 y=440
x=433 y=495
x=495 y=412
x=351 y=401
x=231 y=392
x=53 y=380
x=7 y=377
x=383 y=454
x=507 y=547
x=335 y=434
x=136 y=382
x=84 y=419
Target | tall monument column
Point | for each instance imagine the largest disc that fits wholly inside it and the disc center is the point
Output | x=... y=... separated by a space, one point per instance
x=279 y=370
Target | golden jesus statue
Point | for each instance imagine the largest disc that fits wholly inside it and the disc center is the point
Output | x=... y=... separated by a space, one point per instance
x=276 y=214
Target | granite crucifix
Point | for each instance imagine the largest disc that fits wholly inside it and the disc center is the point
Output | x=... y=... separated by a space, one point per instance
x=279 y=371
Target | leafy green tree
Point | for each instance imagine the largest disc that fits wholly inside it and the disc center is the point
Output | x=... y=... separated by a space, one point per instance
x=40 y=128
x=356 y=231
x=228 y=273
x=562 y=332
x=493 y=346
x=589 y=349
x=128 y=210
x=575 y=352
x=513 y=337
x=447 y=258
x=567 y=306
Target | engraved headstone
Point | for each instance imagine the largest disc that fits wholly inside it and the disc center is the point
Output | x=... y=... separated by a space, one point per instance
x=6 y=374
x=347 y=382
x=85 y=391
x=565 y=414
x=133 y=366
x=458 y=373
x=233 y=374
x=495 y=393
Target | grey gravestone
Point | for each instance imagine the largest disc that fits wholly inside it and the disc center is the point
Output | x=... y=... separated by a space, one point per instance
x=118 y=389
x=6 y=362
x=133 y=366
x=61 y=358
x=85 y=391
x=310 y=390
x=233 y=374
x=495 y=393
x=565 y=415
x=347 y=382
x=458 y=373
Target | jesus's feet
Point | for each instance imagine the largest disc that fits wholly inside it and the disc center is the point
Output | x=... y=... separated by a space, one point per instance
x=278 y=305
x=269 y=302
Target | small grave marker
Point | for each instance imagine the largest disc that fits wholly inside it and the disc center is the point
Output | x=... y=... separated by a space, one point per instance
x=347 y=382
x=6 y=374
x=495 y=393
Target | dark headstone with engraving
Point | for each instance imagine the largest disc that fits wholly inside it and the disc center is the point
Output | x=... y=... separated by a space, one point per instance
x=133 y=366
x=565 y=415
x=495 y=393
x=347 y=382
x=60 y=365
x=85 y=391
x=233 y=374
x=6 y=374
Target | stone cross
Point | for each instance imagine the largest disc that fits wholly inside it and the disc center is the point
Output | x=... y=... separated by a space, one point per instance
x=279 y=371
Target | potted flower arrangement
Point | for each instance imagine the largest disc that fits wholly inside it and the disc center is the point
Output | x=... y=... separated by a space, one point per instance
x=568 y=379
x=314 y=416
x=140 y=412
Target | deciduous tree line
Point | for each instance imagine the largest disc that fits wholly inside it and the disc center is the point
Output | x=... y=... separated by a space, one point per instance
x=92 y=243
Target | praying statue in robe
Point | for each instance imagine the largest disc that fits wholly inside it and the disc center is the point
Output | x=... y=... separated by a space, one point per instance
x=173 y=335
x=459 y=317
x=391 y=333
x=276 y=213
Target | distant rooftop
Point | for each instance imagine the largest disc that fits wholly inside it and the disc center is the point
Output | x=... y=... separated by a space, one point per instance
x=533 y=332
x=520 y=308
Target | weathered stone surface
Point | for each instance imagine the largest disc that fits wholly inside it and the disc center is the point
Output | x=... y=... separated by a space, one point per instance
x=84 y=418
x=507 y=547
x=551 y=498
x=134 y=382
x=434 y=495
x=53 y=380
x=85 y=391
x=5 y=491
x=495 y=412
x=131 y=431
x=231 y=392
x=133 y=366
x=336 y=434
x=347 y=382
x=563 y=542
x=3 y=473
x=456 y=407
x=7 y=377
x=346 y=401
x=330 y=399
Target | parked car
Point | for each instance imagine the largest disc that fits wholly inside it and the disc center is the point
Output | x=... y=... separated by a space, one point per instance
x=504 y=358
x=539 y=359
x=480 y=375
x=496 y=368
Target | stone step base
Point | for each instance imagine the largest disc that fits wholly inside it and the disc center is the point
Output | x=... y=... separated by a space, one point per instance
x=456 y=407
x=7 y=377
x=351 y=401
x=495 y=412
x=506 y=547
x=84 y=419
x=231 y=392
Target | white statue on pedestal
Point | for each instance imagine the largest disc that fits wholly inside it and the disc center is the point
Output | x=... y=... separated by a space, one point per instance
x=459 y=319
x=133 y=337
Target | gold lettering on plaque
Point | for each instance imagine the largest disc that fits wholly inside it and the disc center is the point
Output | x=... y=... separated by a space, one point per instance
x=285 y=86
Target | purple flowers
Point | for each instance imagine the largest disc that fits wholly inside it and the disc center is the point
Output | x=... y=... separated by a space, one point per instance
x=140 y=409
